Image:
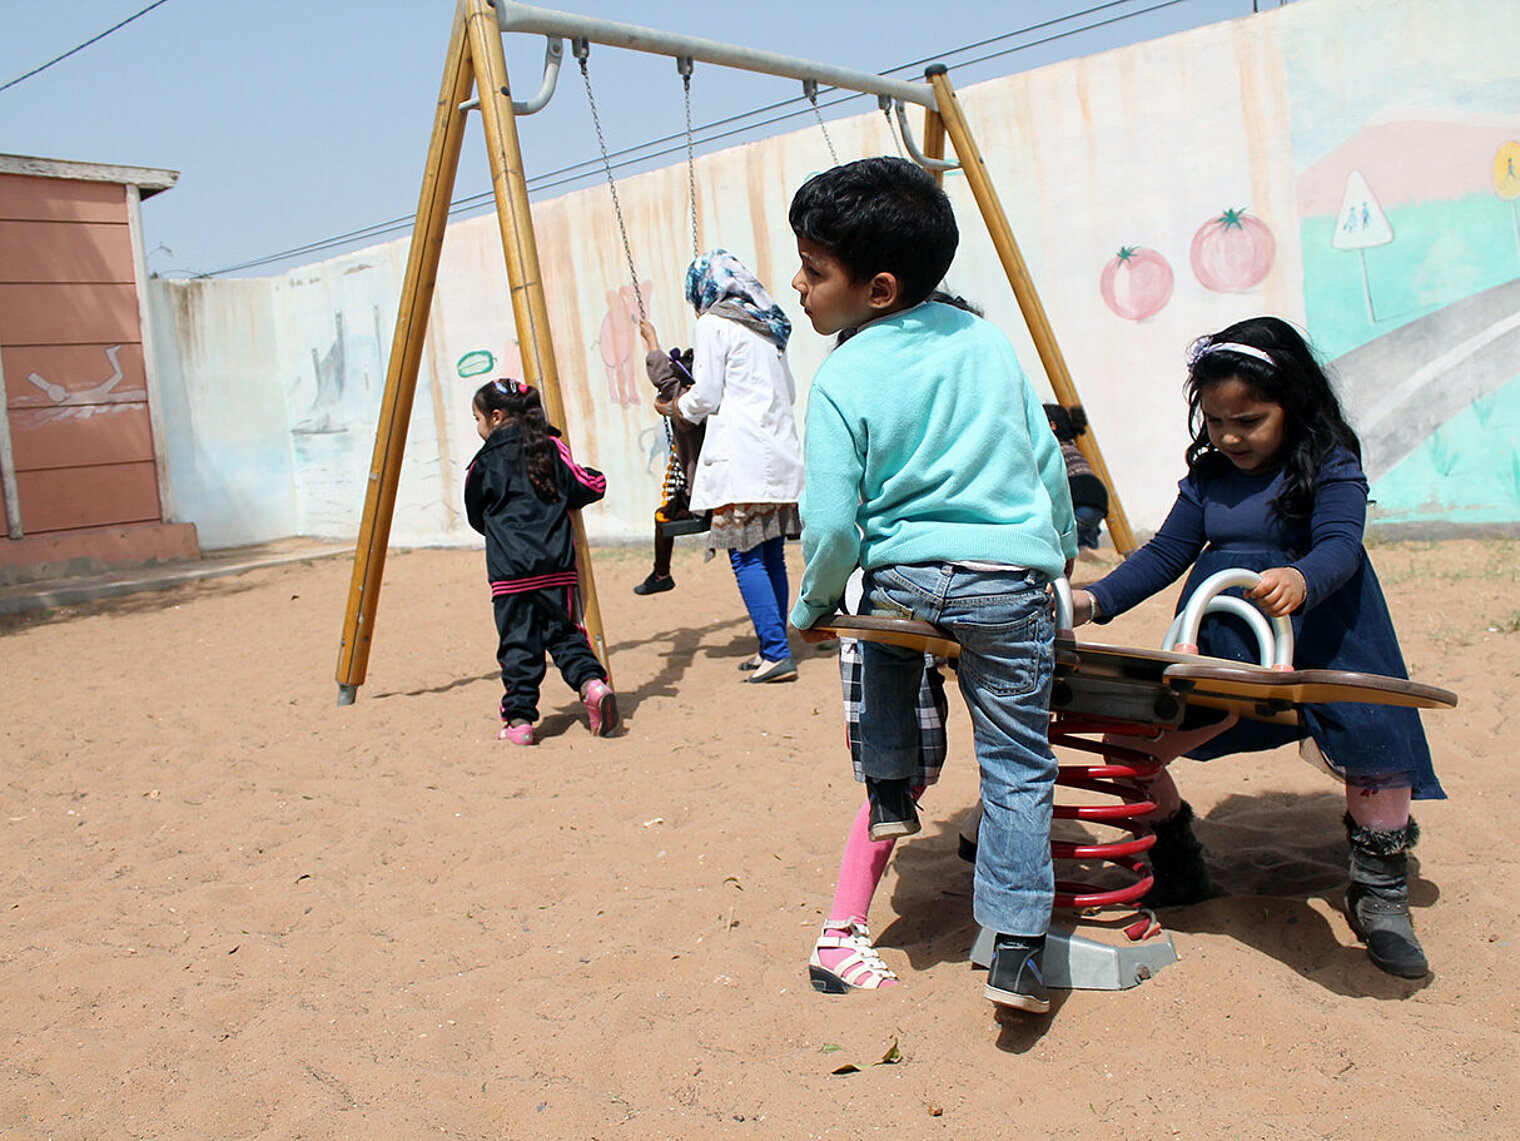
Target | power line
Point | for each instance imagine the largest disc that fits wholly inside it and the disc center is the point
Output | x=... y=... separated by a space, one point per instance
x=81 y=47
x=674 y=143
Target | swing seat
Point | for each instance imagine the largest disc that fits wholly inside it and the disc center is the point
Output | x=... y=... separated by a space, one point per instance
x=690 y=525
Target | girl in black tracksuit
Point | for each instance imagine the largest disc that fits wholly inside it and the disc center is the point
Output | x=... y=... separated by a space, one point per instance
x=519 y=491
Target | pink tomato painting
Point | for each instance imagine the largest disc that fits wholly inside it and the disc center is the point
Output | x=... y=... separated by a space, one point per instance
x=1136 y=283
x=1233 y=252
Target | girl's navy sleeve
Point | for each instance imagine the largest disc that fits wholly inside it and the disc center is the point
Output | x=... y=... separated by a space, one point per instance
x=1336 y=526
x=1160 y=562
x=587 y=485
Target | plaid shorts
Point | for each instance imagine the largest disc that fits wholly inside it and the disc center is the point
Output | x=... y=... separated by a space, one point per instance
x=932 y=709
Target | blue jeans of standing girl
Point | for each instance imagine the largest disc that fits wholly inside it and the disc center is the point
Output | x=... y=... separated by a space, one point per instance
x=761 y=574
x=1006 y=629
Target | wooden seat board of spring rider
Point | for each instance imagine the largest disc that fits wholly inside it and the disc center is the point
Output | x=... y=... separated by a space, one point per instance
x=1214 y=682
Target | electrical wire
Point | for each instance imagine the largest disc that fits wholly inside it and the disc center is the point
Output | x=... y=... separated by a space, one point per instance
x=642 y=152
x=81 y=47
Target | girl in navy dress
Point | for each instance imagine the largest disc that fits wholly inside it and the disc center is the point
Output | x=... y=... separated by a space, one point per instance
x=1275 y=485
x=519 y=491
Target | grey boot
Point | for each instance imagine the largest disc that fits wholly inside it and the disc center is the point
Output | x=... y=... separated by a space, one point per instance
x=1377 y=902
x=1177 y=863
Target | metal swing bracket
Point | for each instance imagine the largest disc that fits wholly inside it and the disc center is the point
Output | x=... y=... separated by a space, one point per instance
x=554 y=55
x=923 y=160
x=513 y=17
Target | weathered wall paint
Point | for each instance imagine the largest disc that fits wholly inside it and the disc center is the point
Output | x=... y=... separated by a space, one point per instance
x=279 y=380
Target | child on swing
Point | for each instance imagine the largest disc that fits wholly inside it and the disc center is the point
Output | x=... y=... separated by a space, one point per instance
x=519 y=491
x=1275 y=485
x=670 y=373
x=929 y=463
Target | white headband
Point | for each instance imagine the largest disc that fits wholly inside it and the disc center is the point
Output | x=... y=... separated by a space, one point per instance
x=1204 y=347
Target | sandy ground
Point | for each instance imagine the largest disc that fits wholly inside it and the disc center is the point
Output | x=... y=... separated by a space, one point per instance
x=234 y=909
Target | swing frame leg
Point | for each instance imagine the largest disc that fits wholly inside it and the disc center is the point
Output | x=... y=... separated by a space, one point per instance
x=475 y=59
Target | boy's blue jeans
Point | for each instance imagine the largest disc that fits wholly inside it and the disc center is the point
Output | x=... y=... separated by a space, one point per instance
x=1004 y=623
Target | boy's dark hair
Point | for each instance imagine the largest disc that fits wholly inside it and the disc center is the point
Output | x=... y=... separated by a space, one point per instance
x=1313 y=422
x=880 y=215
x=520 y=403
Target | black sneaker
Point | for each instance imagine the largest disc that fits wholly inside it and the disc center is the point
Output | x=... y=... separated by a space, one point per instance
x=1016 y=977
x=893 y=812
x=656 y=584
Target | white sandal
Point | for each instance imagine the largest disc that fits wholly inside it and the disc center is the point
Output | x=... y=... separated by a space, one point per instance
x=862 y=969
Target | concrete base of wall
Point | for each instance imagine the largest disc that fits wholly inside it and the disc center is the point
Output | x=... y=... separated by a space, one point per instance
x=95 y=550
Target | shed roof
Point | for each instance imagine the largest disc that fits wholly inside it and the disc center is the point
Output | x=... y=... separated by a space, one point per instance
x=148 y=180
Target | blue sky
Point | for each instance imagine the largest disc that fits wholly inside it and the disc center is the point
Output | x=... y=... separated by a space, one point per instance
x=295 y=121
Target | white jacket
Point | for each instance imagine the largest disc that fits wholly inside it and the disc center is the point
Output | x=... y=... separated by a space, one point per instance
x=744 y=390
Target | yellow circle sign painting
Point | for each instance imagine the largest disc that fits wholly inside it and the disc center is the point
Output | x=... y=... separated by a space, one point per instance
x=1507 y=171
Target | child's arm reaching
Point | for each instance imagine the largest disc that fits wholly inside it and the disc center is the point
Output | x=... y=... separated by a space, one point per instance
x=587 y=485
x=1153 y=567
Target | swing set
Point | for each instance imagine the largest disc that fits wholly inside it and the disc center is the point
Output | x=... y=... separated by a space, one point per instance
x=476 y=62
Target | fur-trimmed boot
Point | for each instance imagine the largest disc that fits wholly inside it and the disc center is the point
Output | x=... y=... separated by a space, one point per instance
x=1177 y=864
x=1377 y=902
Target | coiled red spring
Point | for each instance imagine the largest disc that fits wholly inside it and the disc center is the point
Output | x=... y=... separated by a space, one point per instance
x=1119 y=775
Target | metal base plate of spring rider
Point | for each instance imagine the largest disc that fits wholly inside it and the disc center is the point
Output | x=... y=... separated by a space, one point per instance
x=1075 y=962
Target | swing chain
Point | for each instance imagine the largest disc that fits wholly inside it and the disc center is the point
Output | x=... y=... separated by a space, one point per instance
x=810 y=89
x=684 y=66
x=582 y=48
x=885 y=103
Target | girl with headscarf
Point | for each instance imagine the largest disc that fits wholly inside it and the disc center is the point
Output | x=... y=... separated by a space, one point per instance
x=750 y=472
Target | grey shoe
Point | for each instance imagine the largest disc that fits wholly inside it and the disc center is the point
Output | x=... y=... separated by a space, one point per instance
x=784 y=670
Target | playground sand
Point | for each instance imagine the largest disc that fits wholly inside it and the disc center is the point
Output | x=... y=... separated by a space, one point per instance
x=234 y=909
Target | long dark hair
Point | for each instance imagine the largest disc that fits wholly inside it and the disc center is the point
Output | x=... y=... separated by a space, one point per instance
x=520 y=404
x=1313 y=423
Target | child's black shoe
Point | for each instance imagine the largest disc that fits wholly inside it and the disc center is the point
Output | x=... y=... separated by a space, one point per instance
x=1016 y=977
x=893 y=812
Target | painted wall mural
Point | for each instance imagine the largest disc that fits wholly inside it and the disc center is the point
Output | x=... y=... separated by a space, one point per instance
x=1232 y=253
x=89 y=400
x=1136 y=283
x=1350 y=165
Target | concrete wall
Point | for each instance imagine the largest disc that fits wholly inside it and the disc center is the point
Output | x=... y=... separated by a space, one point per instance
x=1229 y=164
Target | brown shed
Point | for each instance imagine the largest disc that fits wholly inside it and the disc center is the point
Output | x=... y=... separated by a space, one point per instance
x=81 y=457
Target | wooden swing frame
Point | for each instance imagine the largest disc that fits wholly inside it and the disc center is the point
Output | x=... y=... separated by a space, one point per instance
x=477 y=61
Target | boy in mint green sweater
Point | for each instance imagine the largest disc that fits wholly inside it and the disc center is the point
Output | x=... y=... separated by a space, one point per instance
x=929 y=463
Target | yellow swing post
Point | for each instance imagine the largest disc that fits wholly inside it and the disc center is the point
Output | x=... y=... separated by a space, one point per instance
x=475 y=59
x=953 y=123
x=523 y=275
x=405 y=359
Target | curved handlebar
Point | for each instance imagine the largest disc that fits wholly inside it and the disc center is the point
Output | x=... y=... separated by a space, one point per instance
x=1274 y=635
x=1062 y=590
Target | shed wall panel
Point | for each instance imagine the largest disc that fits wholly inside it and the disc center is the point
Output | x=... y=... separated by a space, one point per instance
x=61 y=499
x=65 y=252
x=25 y=196
x=68 y=314
x=87 y=436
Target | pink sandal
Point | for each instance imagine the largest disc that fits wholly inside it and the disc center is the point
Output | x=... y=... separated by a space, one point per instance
x=861 y=969
x=601 y=707
x=517 y=734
